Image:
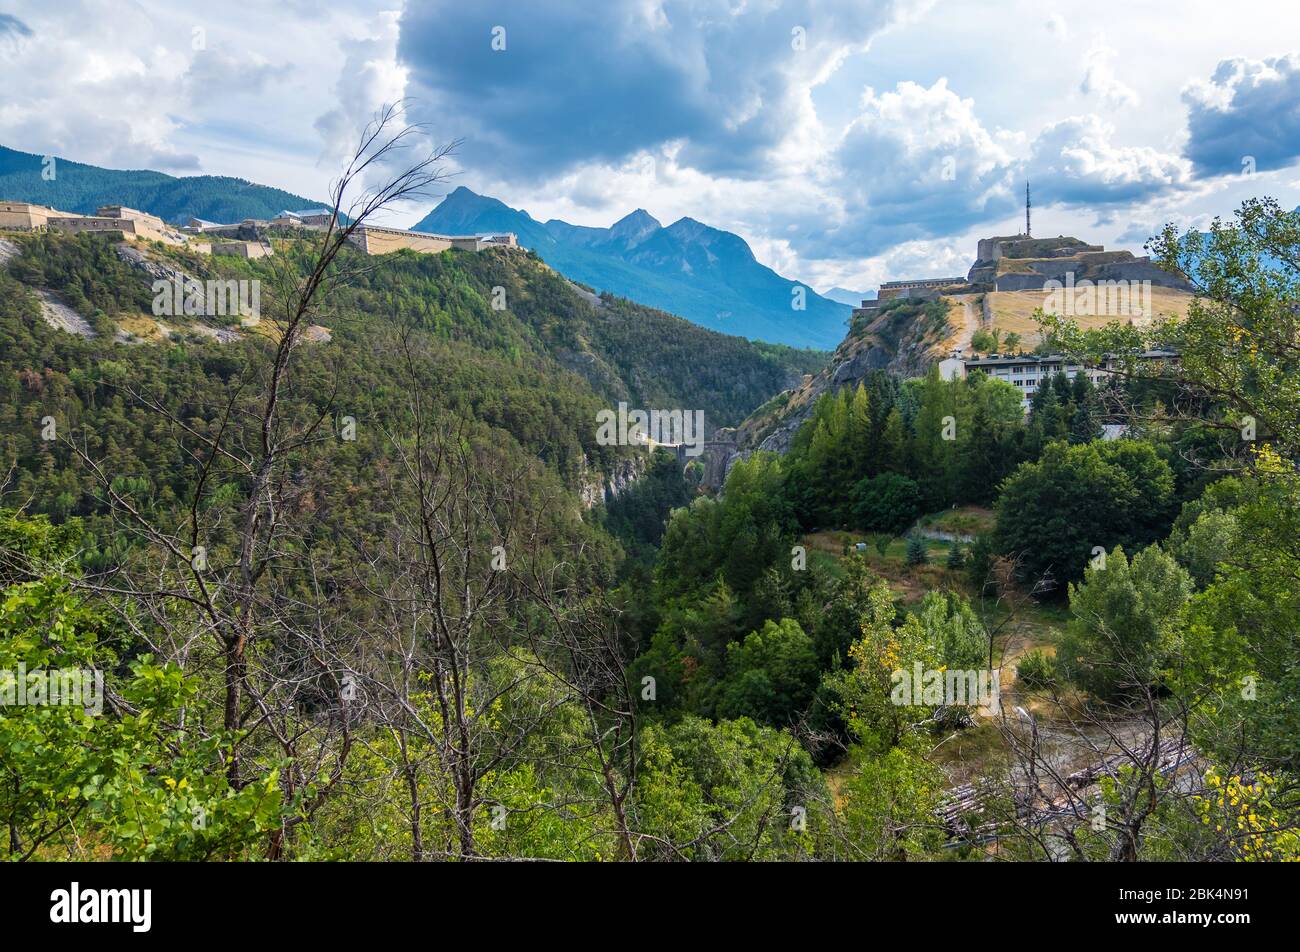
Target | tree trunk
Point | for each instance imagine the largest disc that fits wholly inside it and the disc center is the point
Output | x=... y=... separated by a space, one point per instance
x=236 y=672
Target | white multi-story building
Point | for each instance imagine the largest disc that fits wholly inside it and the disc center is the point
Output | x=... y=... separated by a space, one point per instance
x=1028 y=372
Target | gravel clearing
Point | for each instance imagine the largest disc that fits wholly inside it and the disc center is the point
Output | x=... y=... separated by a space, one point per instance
x=60 y=316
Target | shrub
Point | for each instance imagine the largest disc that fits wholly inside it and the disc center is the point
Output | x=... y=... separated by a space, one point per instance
x=887 y=503
x=1124 y=612
x=1052 y=513
x=955 y=557
x=1036 y=669
x=980 y=562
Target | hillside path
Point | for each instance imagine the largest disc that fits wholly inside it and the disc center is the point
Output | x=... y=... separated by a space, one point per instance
x=970 y=323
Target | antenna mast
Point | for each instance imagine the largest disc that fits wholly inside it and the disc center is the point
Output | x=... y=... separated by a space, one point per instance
x=1028 y=233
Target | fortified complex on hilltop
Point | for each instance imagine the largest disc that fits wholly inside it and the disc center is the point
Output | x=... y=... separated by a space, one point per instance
x=246 y=239
x=916 y=323
x=1022 y=263
x=108 y=219
x=1025 y=263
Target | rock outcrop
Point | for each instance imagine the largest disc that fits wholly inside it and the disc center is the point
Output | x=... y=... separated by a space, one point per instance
x=596 y=488
x=160 y=272
x=903 y=340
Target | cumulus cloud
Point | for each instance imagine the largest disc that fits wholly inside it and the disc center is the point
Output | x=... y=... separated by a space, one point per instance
x=1086 y=167
x=82 y=85
x=917 y=159
x=1248 y=108
x=1099 y=79
x=178 y=85
x=914 y=163
x=914 y=167
x=370 y=77
x=706 y=103
x=918 y=164
x=545 y=86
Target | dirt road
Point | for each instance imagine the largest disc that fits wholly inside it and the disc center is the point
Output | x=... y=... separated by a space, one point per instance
x=970 y=322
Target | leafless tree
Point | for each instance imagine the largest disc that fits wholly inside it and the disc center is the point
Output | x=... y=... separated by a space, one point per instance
x=240 y=573
x=451 y=614
x=583 y=646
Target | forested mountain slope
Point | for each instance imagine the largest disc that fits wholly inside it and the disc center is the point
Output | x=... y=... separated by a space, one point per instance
x=421 y=442
x=77 y=187
x=539 y=369
x=347 y=603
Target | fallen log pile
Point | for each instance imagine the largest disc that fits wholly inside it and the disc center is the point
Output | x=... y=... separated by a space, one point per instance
x=970 y=812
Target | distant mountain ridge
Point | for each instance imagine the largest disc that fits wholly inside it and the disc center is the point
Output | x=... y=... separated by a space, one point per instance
x=691 y=269
x=701 y=273
x=77 y=187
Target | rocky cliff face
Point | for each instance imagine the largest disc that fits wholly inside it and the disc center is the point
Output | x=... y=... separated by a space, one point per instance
x=155 y=269
x=596 y=488
x=901 y=341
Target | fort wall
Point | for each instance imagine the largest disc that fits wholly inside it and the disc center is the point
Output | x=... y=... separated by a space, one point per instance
x=242 y=249
x=382 y=241
x=26 y=216
x=374 y=240
x=120 y=220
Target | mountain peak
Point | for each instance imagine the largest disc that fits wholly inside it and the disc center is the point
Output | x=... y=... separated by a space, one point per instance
x=692 y=229
x=705 y=274
x=639 y=217
x=465 y=212
x=845 y=296
x=706 y=236
x=466 y=198
x=634 y=226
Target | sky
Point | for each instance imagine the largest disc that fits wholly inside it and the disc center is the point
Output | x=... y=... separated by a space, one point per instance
x=848 y=141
